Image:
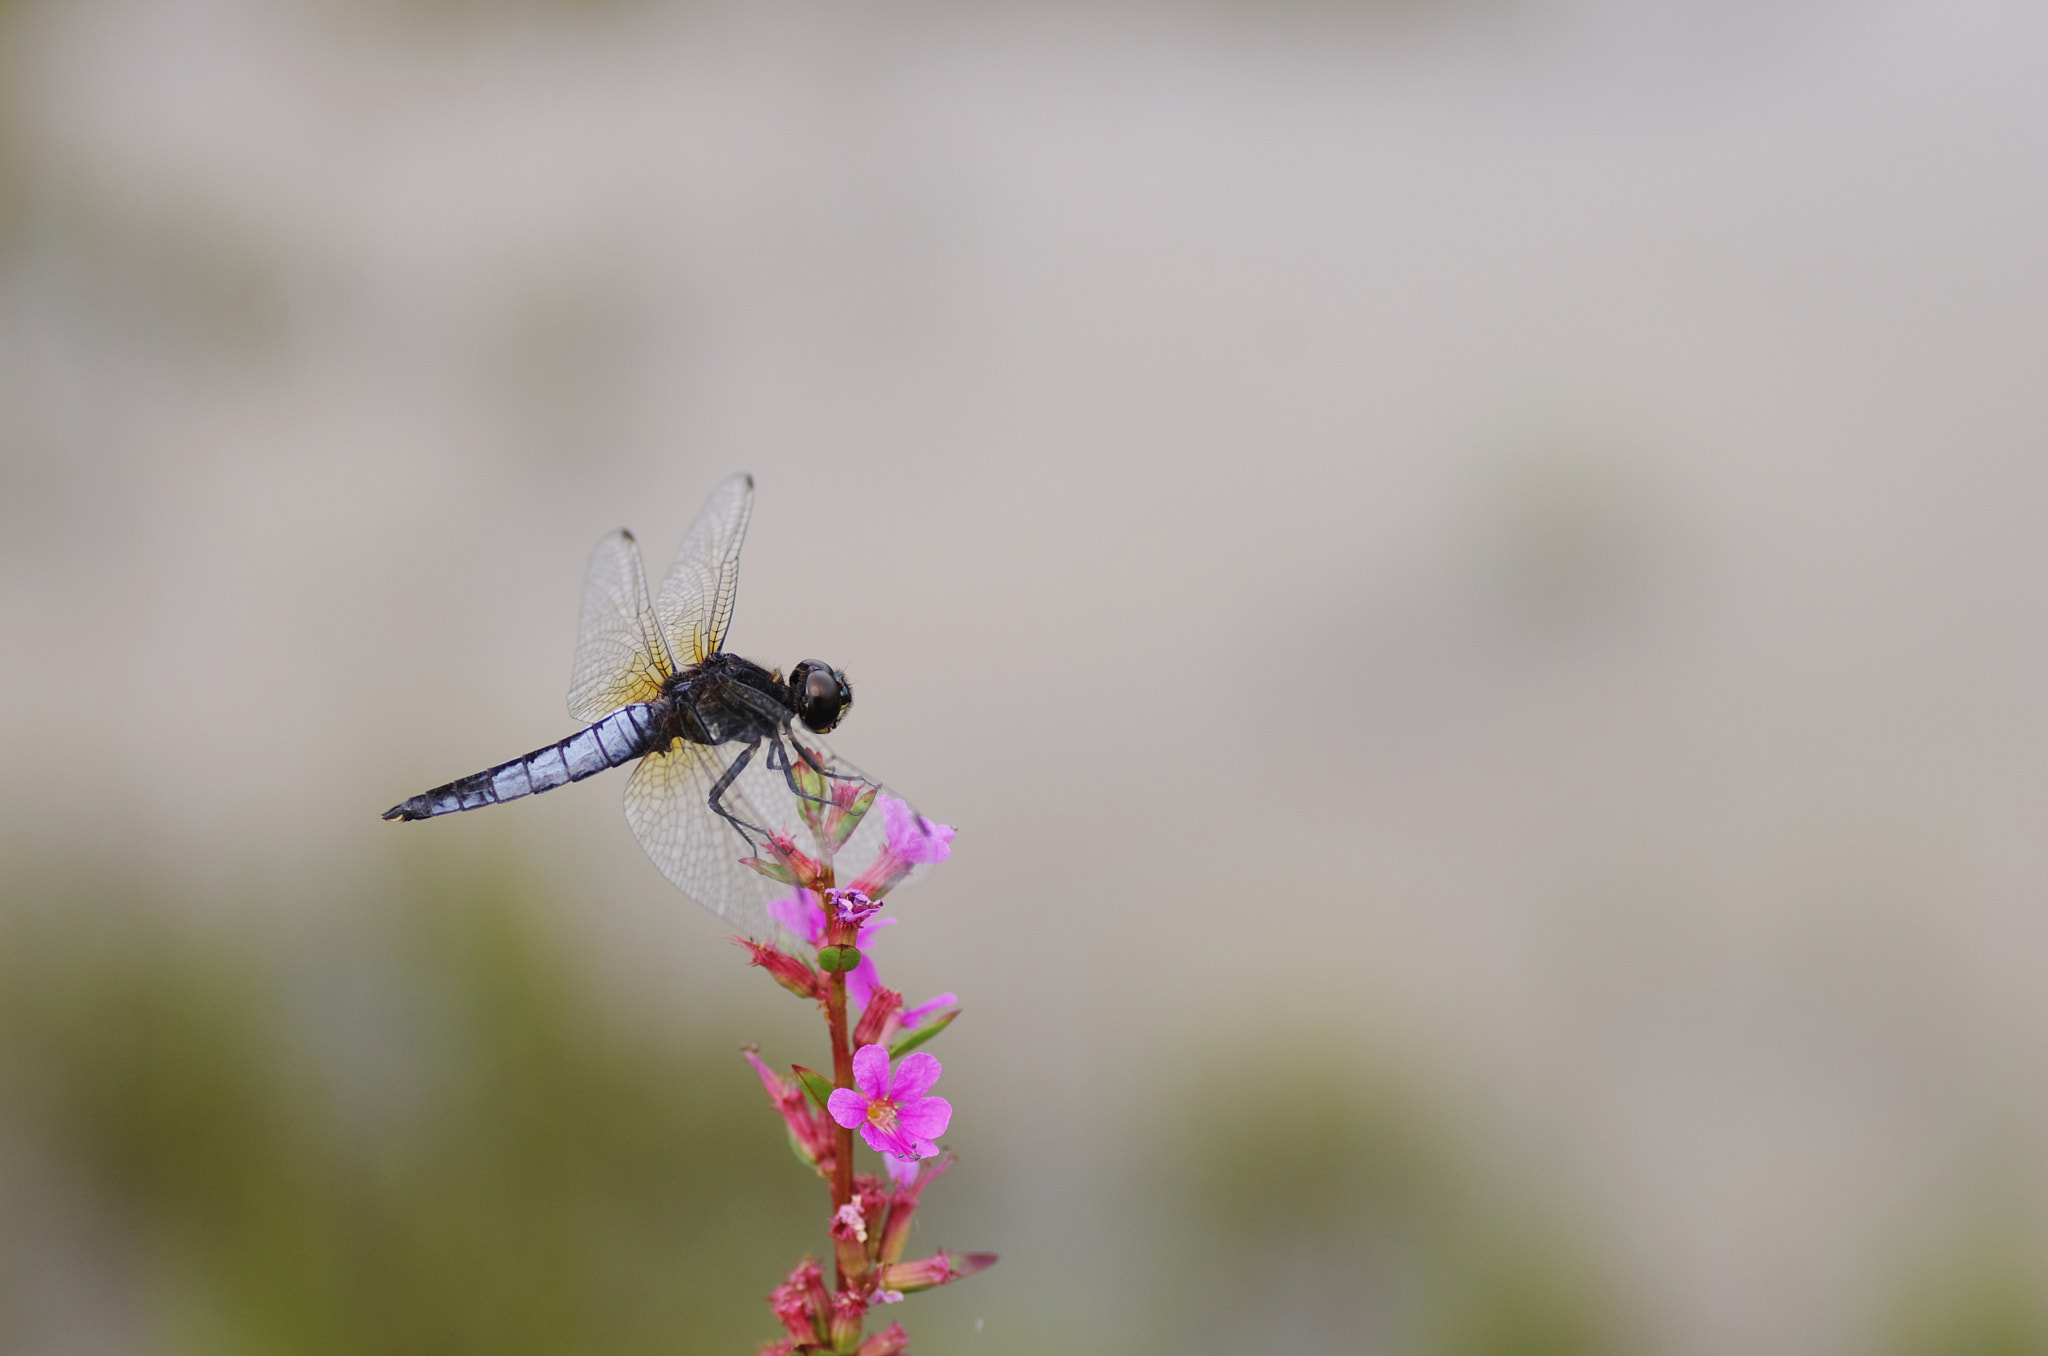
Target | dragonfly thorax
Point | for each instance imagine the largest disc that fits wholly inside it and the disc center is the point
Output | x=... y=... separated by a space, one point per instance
x=728 y=699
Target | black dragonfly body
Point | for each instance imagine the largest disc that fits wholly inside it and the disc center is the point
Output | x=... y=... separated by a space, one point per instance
x=718 y=738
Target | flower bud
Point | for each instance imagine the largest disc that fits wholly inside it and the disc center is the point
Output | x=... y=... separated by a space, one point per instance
x=848 y=1222
x=882 y=1006
x=896 y=1231
x=786 y=862
x=814 y=1288
x=810 y=1131
x=801 y=1304
x=890 y=1341
x=849 y=1307
x=786 y=970
x=849 y=804
x=938 y=1269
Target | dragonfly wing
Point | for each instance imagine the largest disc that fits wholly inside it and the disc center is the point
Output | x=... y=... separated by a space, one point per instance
x=668 y=804
x=620 y=655
x=695 y=605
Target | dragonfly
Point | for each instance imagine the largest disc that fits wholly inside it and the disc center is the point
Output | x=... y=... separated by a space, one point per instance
x=726 y=748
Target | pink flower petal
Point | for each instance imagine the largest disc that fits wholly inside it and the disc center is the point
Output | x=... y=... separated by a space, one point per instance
x=800 y=914
x=847 y=1107
x=871 y=1071
x=912 y=837
x=923 y=1010
x=862 y=981
x=926 y=1118
x=914 y=1076
x=888 y=1141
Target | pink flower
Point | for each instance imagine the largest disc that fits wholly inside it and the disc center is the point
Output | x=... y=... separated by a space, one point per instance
x=909 y=841
x=852 y=905
x=912 y=837
x=894 y=1115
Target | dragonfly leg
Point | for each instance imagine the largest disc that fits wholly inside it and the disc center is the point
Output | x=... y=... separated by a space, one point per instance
x=778 y=761
x=811 y=761
x=718 y=789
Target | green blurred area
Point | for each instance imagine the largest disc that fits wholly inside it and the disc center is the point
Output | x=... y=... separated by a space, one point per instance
x=429 y=1132
x=434 y=1143
x=1327 y=1178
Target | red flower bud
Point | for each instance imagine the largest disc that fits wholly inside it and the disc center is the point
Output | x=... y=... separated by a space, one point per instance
x=938 y=1269
x=882 y=1006
x=788 y=863
x=791 y=973
x=849 y=1223
x=810 y=1129
x=896 y=1232
x=890 y=1341
x=800 y=1303
x=849 y=1307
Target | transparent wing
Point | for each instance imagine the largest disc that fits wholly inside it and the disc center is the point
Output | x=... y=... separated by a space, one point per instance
x=696 y=598
x=620 y=655
x=668 y=804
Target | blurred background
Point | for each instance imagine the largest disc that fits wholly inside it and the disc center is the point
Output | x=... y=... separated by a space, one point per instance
x=1470 y=573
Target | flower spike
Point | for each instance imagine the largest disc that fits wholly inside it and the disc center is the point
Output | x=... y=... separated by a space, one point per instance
x=873 y=1036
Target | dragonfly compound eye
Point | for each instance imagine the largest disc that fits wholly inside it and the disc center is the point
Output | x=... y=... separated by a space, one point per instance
x=821 y=694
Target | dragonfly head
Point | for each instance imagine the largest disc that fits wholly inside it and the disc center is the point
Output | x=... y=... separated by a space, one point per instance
x=820 y=694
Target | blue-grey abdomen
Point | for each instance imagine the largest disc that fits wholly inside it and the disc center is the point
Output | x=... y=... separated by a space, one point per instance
x=620 y=737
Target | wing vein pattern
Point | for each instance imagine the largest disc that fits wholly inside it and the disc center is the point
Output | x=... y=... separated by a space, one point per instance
x=696 y=599
x=621 y=657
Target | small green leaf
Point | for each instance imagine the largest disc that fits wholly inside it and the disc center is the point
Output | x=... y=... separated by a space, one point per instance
x=850 y=820
x=837 y=960
x=922 y=1034
x=796 y=1147
x=774 y=870
x=815 y=1083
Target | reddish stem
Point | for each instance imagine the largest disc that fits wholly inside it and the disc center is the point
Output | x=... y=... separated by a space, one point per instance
x=850 y=1253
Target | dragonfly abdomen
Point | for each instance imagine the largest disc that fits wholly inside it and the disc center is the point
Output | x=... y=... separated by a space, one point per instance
x=620 y=737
